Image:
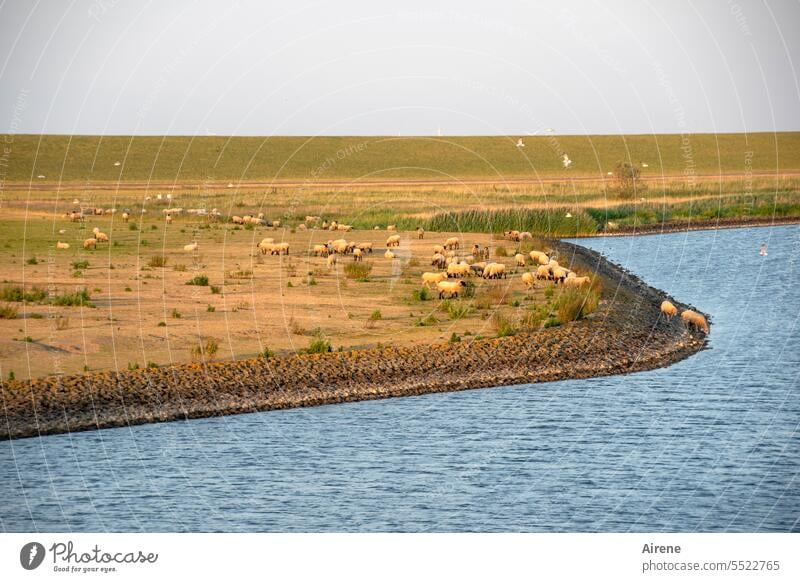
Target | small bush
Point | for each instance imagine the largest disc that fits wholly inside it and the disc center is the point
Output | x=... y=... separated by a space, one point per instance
x=500 y=252
x=573 y=304
x=429 y=319
x=456 y=309
x=318 y=345
x=502 y=325
x=78 y=299
x=8 y=312
x=34 y=316
x=32 y=261
x=152 y=365
x=80 y=265
x=162 y=324
x=551 y=322
x=455 y=338
x=421 y=294
x=358 y=271
x=267 y=354
x=206 y=349
x=132 y=226
x=211 y=309
x=175 y=313
x=180 y=268
x=35 y=295
x=199 y=280
x=133 y=366
x=376 y=315
x=157 y=261
x=215 y=290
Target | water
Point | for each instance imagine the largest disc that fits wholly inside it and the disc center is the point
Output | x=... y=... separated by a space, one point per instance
x=709 y=444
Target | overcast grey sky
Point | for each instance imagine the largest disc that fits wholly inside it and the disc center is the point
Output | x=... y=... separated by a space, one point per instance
x=294 y=67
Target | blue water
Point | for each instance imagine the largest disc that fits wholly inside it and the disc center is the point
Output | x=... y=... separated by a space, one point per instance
x=709 y=444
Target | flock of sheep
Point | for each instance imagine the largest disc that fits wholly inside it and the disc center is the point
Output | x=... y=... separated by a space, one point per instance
x=448 y=280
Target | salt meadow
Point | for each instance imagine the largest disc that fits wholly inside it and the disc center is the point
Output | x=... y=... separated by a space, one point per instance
x=707 y=444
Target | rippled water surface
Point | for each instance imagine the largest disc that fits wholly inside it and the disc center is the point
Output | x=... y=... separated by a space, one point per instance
x=708 y=444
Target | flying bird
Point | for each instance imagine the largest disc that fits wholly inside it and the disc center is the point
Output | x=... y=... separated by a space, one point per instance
x=520 y=144
x=565 y=161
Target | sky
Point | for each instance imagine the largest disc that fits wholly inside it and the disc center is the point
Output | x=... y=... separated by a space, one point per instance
x=356 y=67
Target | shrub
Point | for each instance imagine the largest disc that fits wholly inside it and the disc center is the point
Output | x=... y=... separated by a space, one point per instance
x=180 y=268
x=152 y=365
x=358 y=271
x=215 y=290
x=132 y=226
x=573 y=304
x=211 y=309
x=157 y=261
x=206 y=349
x=551 y=322
x=429 y=319
x=455 y=338
x=199 y=280
x=80 y=265
x=8 y=312
x=376 y=315
x=500 y=252
x=267 y=354
x=162 y=324
x=176 y=314
x=421 y=294
x=35 y=295
x=80 y=298
x=456 y=309
x=502 y=325
x=34 y=316
x=318 y=345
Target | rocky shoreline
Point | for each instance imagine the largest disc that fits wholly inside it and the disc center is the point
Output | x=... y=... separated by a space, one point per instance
x=626 y=334
x=714 y=224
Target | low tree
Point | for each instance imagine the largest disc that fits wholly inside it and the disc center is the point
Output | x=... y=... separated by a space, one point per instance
x=627 y=177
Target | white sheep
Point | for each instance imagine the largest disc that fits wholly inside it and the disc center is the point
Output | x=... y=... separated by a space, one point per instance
x=319 y=250
x=190 y=248
x=693 y=319
x=520 y=259
x=101 y=236
x=392 y=227
x=280 y=249
x=393 y=241
x=439 y=261
x=494 y=271
x=429 y=279
x=62 y=245
x=358 y=255
x=539 y=258
x=90 y=243
x=668 y=309
x=169 y=219
x=331 y=260
x=528 y=280
x=237 y=220
x=450 y=288
x=388 y=254
x=458 y=270
x=451 y=243
x=577 y=281
x=365 y=247
x=438 y=249
x=125 y=217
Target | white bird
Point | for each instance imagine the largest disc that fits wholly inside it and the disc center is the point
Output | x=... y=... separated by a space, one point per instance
x=565 y=161
x=520 y=144
x=76 y=201
x=610 y=174
x=230 y=184
x=117 y=164
x=40 y=176
x=644 y=165
x=568 y=215
x=158 y=196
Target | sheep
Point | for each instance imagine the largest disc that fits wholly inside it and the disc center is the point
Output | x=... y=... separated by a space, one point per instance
x=429 y=279
x=100 y=236
x=312 y=219
x=576 y=281
x=125 y=217
x=358 y=255
x=392 y=227
x=237 y=220
x=265 y=245
x=365 y=247
x=276 y=224
x=301 y=227
x=324 y=225
x=543 y=272
x=478 y=268
x=668 y=309
x=62 y=231
x=393 y=241
x=528 y=280
x=450 y=288
x=520 y=259
x=439 y=261
x=388 y=254
x=333 y=225
x=438 y=249
x=539 y=258
x=512 y=235
x=320 y=250
x=485 y=253
x=494 y=271
x=75 y=216
x=340 y=246
x=458 y=270
x=559 y=274
x=190 y=248
x=62 y=245
x=692 y=319
x=451 y=243
x=169 y=219
x=525 y=236
x=331 y=261
x=420 y=233
x=90 y=243
x=280 y=249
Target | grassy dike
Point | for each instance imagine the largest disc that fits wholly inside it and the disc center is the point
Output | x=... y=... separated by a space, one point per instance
x=625 y=334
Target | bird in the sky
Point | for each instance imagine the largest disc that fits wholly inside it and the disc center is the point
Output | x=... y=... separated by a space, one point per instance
x=565 y=161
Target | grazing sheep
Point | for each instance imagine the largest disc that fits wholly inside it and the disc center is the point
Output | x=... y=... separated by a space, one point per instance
x=668 y=309
x=169 y=219
x=341 y=246
x=543 y=272
x=301 y=227
x=512 y=235
x=280 y=249
x=438 y=249
x=90 y=243
x=494 y=271
x=520 y=259
x=62 y=245
x=478 y=268
x=539 y=258
x=320 y=250
x=577 y=281
x=190 y=248
x=429 y=279
x=125 y=217
x=393 y=241
x=525 y=236
x=276 y=224
x=237 y=220
x=559 y=274
x=101 y=236
x=392 y=227
x=528 y=280
x=332 y=260
x=439 y=261
x=266 y=245
x=365 y=247
x=458 y=270
x=75 y=216
x=692 y=319
x=358 y=255
x=388 y=254
x=420 y=233
x=450 y=288
x=312 y=219
x=451 y=243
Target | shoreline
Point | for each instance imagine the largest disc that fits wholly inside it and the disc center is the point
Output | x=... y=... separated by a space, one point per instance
x=626 y=334
x=672 y=227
